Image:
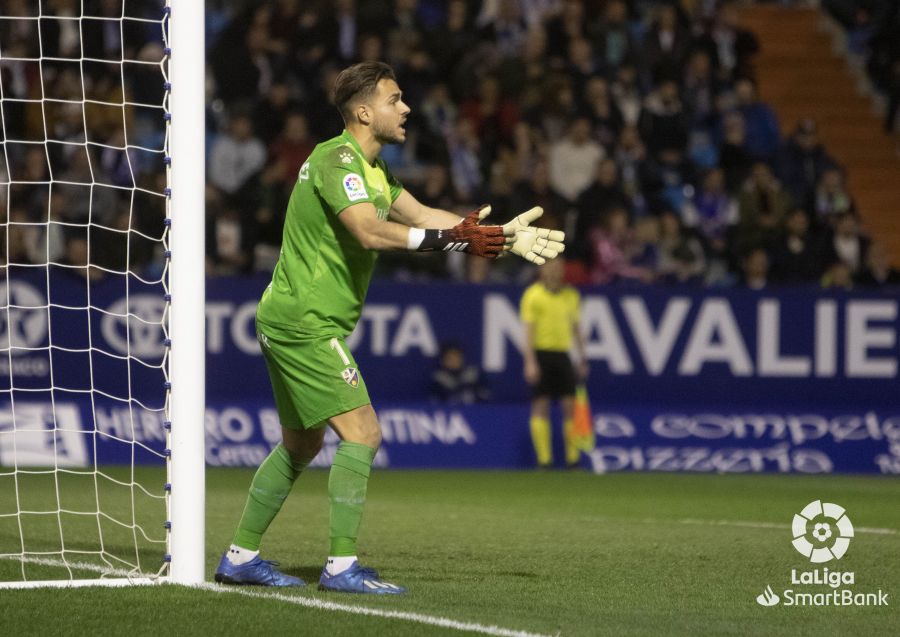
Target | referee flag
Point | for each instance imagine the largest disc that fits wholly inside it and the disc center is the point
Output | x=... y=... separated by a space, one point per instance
x=582 y=422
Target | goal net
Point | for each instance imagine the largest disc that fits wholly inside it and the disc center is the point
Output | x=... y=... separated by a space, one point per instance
x=85 y=297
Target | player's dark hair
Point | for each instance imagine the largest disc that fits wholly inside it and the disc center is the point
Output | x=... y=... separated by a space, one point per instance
x=358 y=82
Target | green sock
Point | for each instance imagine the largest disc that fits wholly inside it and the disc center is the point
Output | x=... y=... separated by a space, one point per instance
x=347 y=492
x=271 y=485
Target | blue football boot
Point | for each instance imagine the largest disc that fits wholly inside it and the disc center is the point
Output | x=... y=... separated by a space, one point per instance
x=256 y=571
x=357 y=579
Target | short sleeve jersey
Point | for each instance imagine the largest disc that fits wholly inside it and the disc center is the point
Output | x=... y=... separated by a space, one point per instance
x=323 y=272
x=553 y=315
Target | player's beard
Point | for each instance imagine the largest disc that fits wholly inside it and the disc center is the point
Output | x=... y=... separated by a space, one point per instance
x=387 y=134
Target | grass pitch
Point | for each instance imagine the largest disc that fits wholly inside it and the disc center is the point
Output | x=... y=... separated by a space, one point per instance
x=546 y=553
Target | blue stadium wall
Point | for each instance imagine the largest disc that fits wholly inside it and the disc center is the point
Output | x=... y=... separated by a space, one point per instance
x=795 y=380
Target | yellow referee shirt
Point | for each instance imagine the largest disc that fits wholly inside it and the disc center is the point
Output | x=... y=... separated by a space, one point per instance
x=553 y=315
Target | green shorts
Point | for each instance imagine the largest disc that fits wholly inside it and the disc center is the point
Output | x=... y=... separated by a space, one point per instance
x=313 y=377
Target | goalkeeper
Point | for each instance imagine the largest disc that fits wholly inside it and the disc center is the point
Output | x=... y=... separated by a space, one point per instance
x=550 y=312
x=346 y=206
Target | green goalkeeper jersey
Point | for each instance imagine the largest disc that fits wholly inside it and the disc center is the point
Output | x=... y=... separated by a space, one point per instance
x=323 y=272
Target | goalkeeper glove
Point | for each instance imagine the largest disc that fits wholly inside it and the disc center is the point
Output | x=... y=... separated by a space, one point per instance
x=537 y=245
x=467 y=236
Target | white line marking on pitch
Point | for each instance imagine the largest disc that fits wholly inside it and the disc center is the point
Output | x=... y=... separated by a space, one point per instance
x=430 y=620
x=442 y=622
x=767 y=525
x=76 y=566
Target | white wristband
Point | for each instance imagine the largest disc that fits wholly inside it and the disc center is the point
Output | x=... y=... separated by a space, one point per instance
x=415 y=238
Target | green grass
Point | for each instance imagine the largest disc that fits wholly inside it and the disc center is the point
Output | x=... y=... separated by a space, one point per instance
x=578 y=554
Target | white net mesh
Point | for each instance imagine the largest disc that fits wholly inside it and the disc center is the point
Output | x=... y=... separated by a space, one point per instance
x=84 y=288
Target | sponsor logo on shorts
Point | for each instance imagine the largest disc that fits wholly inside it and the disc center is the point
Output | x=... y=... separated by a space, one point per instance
x=351 y=376
x=354 y=187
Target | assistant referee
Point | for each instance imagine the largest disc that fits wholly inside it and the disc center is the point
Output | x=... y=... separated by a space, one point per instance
x=550 y=311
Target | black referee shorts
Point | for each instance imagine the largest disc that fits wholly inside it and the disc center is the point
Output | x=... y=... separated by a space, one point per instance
x=557 y=375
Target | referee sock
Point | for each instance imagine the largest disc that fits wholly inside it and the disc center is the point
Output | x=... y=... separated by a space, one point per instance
x=347 y=484
x=540 y=436
x=271 y=485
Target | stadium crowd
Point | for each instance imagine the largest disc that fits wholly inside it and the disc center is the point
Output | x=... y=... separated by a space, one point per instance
x=636 y=125
x=873 y=38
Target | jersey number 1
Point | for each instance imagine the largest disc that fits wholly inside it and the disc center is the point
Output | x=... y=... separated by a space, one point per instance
x=336 y=345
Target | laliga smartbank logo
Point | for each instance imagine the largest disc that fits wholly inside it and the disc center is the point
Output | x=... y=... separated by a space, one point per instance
x=822 y=532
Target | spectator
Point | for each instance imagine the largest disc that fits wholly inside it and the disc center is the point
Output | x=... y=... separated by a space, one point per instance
x=318 y=105
x=293 y=145
x=755 y=269
x=645 y=244
x=451 y=44
x=101 y=207
x=838 y=276
x=878 y=271
x=438 y=110
x=847 y=244
x=466 y=162
x=701 y=89
x=102 y=37
x=240 y=60
x=831 y=197
x=236 y=156
x=802 y=161
x=75 y=258
x=712 y=212
x=665 y=44
x=630 y=156
x=760 y=121
x=570 y=24
x=730 y=46
x=454 y=382
x=369 y=48
x=558 y=109
x=23 y=238
x=505 y=29
x=611 y=36
x=536 y=191
x=581 y=65
x=436 y=190
x=734 y=158
x=796 y=256
x=604 y=194
x=670 y=179
x=573 y=59
x=762 y=206
x=273 y=110
x=573 y=160
x=611 y=251
x=492 y=115
x=528 y=70
x=627 y=94
x=606 y=120
x=227 y=253
x=681 y=260
x=663 y=121
x=317 y=38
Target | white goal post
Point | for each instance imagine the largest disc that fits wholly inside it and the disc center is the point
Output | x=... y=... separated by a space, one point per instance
x=136 y=376
x=187 y=362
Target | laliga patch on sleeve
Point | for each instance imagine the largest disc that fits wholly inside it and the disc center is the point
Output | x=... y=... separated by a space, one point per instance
x=354 y=187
